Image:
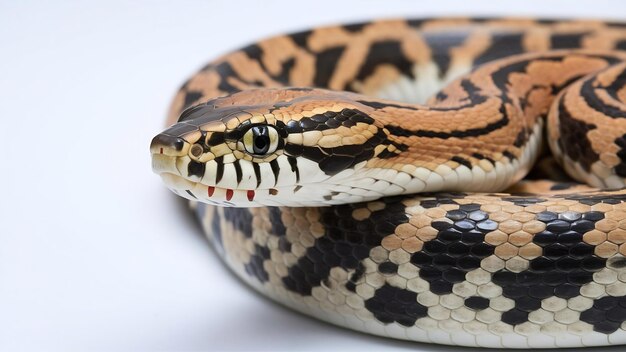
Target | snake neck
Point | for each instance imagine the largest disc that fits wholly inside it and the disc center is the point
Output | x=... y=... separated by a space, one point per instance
x=484 y=131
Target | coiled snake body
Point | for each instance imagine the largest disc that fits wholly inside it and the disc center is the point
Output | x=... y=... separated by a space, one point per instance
x=319 y=184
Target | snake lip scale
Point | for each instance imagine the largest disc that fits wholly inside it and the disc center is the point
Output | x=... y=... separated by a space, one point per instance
x=400 y=178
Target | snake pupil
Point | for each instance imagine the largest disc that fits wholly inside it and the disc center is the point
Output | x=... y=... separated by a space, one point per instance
x=261 y=139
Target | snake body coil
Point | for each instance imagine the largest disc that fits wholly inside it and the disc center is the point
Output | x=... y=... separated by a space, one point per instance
x=316 y=187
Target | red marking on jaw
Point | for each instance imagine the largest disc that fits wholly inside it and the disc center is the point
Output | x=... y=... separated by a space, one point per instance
x=229 y=194
x=161 y=151
x=250 y=195
x=210 y=191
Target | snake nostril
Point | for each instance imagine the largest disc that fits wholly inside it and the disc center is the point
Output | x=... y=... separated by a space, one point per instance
x=196 y=150
x=166 y=142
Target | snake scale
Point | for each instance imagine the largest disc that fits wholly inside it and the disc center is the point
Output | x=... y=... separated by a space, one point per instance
x=353 y=173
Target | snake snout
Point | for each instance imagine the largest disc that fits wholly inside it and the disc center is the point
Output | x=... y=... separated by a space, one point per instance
x=166 y=151
x=166 y=144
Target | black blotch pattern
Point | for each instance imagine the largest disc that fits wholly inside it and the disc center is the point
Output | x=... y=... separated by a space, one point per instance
x=216 y=138
x=385 y=52
x=275 y=170
x=462 y=161
x=336 y=159
x=329 y=120
x=524 y=201
x=278 y=228
x=219 y=172
x=438 y=199
x=388 y=268
x=382 y=105
x=458 y=248
x=502 y=75
x=509 y=155
x=285 y=70
x=386 y=153
x=620 y=169
x=574 y=142
x=225 y=70
x=503 y=45
x=238 y=171
x=567 y=264
x=616 y=263
x=355 y=277
x=521 y=138
x=254 y=52
x=477 y=303
x=593 y=199
x=240 y=218
x=441 y=96
x=293 y=163
x=562 y=186
x=237 y=133
x=301 y=39
x=440 y=46
x=566 y=41
x=355 y=27
x=481 y=157
x=215 y=228
x=614 y=87
x=606 y=315
x=391 y=304
x=345 y=244
x=325 y=64
x=284 y=245
x=257 y=173
x=416 y=22
x=255 y=266
x=475 y=97
x=589 y=92
x=191 y=97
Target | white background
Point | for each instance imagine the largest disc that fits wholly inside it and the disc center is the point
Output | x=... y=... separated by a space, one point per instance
x=95 y=254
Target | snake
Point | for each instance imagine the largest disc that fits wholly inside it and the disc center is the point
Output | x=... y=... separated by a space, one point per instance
x=454 y=181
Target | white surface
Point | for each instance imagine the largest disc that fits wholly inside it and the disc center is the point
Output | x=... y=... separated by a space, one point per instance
x=95 y=254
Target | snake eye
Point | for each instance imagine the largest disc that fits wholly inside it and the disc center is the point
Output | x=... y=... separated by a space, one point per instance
x=260 y=140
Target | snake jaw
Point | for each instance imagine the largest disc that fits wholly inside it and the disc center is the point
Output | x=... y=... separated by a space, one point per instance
x=314 y=189
x=165 y=166
x=214 y=183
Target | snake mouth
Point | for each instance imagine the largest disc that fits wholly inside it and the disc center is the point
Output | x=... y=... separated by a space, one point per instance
x=214 y=195
x=170 y=160
x=166 y=167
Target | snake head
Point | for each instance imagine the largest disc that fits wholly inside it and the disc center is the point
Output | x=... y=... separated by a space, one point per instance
x=270 y=147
